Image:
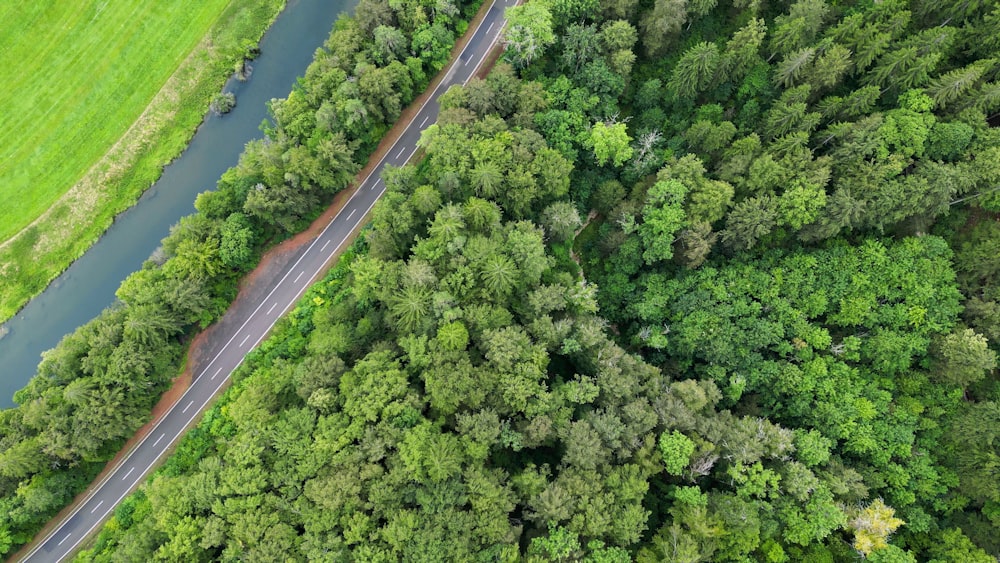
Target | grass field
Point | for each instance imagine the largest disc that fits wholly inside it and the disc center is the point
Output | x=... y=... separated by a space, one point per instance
x=97 y=95
x=73 y=77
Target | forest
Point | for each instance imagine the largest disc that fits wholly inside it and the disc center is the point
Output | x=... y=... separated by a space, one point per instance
x=680 y=280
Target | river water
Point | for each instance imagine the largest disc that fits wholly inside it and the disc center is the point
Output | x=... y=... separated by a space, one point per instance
x=89 y=285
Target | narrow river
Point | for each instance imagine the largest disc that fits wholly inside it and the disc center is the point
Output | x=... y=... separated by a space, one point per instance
x=89 y=285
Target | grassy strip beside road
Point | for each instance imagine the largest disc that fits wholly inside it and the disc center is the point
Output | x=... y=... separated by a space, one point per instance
x=91 y=115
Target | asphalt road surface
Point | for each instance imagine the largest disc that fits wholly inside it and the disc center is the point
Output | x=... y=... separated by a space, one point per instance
x=297 y=276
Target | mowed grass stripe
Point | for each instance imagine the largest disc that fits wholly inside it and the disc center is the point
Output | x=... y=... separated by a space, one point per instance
x=73 y=77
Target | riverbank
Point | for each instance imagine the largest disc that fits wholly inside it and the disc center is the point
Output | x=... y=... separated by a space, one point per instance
x=37 y=254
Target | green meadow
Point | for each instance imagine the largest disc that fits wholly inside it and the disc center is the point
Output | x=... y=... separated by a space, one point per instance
x=97 y=96
x=75 y=75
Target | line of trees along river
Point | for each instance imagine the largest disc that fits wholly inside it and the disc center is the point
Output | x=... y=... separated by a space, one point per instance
x=88 y=286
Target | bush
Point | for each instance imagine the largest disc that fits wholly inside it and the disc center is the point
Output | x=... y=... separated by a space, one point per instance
x=223 y=103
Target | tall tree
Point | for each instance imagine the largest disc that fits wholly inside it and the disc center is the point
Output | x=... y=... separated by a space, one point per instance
x=661 y=24
x=611 y=143
x=529 y=32
x=697 y=70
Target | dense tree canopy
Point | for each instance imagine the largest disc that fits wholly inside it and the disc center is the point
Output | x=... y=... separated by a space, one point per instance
x=458 y=398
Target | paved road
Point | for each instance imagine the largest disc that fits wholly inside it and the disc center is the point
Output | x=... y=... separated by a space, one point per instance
x=297 y=276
